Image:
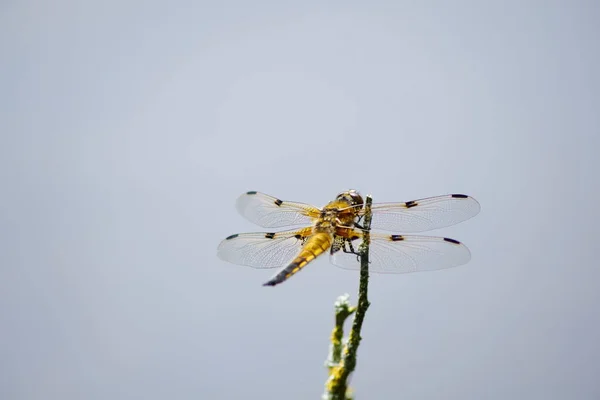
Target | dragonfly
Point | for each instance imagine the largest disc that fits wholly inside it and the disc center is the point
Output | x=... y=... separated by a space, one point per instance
x=336 y=229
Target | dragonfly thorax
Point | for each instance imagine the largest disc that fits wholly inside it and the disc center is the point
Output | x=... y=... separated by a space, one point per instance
x=342 y=212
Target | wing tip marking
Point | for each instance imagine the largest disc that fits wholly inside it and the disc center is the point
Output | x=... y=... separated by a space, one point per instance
x=460 y=196
x=396 y=238
x=270 y=235
x=278 y=202
x=252 y=192
x=232 y=236
x=453 y=241
x=410 y=204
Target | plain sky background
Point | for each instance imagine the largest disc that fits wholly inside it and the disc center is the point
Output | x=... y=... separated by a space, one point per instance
x=128 y=129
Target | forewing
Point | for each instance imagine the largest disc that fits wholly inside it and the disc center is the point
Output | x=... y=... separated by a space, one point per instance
x=261 y=249
x=271 y=212
x=400 y=254
x=424 y=214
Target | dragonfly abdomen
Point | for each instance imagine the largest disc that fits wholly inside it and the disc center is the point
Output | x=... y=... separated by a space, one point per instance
x=315 y=245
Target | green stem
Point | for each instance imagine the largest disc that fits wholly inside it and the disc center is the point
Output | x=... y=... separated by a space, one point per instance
x=337 y=385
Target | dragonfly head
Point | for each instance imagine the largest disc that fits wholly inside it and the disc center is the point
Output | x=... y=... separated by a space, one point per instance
x=352 y=197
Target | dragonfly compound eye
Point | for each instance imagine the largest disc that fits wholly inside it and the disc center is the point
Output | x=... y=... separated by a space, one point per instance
x=352 y=197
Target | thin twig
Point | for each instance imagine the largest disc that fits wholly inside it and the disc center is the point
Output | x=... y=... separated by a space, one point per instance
x=343 y=310
x=337 y=385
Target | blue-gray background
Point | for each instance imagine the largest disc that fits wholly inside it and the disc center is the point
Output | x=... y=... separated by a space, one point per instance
x=129 y=128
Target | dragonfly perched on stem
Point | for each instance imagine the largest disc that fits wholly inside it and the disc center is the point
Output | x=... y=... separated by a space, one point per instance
x=336 y=229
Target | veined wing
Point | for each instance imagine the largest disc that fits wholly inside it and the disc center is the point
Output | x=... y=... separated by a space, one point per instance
x=399 y=254
x=261 y=249
x=270 y=212
x=424 y=214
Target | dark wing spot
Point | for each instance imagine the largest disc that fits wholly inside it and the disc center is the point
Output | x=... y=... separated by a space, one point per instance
x=251 y=192
x=411 y=203
x=451 y=240
x=396 y=238
x=302 y=238
x=232 y=236
x=278 y=202
x=460 y=196
x=270 y=235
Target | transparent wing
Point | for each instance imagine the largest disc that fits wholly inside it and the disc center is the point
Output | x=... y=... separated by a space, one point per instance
x=424 y=214
x=399 y=254
x=262 y=250
x=270 y=212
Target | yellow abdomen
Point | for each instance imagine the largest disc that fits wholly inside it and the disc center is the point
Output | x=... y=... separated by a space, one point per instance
x=315 y=245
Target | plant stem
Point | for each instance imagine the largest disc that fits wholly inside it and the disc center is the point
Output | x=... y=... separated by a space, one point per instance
x=337 y=385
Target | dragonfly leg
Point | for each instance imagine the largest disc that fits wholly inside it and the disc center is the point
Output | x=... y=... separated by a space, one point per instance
x=358 y=224
x=350 y=249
